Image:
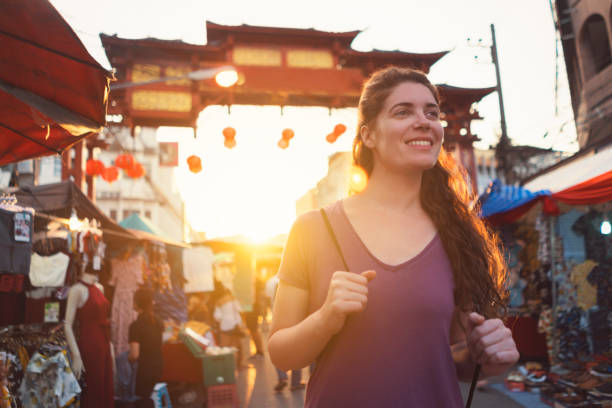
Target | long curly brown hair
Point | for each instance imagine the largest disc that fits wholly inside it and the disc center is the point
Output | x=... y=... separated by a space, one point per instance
x=475 y=253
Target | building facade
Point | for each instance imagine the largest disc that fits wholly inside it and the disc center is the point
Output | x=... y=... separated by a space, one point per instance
x=154 y=196
x=585 y=28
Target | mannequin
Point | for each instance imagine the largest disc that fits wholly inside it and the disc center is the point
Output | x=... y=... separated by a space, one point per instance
x=93 y=354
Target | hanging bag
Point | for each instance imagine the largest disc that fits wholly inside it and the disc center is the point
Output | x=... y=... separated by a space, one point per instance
x=346 y=268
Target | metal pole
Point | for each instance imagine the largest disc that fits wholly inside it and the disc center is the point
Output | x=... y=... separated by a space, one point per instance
x=553 y=279
x=552 y=11
x=504 y=131
x=501 y=150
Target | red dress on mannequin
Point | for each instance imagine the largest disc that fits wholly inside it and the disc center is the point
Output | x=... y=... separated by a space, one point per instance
x=94 y=346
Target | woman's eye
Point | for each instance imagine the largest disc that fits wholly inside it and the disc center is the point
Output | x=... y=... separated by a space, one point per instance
x=402 y=112
x=433 y=114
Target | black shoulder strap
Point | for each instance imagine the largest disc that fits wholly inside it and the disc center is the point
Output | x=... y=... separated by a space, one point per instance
x=333 y=236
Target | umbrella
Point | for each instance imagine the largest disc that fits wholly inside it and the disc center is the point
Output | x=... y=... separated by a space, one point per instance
x=52 y=92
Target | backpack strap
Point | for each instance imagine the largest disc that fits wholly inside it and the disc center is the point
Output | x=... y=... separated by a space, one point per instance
x=333 y=236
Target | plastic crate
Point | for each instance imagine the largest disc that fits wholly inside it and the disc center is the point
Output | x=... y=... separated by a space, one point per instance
x=219 y=369
x=222 y=396
x=192 y=345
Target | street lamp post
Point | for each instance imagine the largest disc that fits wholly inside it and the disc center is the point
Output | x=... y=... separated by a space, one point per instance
x=225 y=77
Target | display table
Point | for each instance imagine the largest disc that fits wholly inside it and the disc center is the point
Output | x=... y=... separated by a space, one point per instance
x=530 y=343
x=180 y=365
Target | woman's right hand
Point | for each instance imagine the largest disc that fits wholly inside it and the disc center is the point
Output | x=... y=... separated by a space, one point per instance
x=77 y=367
x=347 y=293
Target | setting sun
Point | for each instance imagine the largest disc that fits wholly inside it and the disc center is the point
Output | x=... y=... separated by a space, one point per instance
x=252 y=188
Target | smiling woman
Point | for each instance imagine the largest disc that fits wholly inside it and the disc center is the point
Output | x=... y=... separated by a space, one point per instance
x=402 y=279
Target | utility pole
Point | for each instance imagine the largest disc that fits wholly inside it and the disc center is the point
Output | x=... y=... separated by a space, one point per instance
x=501 y=149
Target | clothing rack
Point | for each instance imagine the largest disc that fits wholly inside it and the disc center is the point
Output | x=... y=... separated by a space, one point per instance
x=66 y=221
x=8 y=199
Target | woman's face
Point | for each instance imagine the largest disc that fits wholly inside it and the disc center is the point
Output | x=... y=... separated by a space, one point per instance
x=407 y=134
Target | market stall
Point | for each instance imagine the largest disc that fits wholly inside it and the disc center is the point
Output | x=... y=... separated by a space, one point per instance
x=559 y=253
x=44 y=254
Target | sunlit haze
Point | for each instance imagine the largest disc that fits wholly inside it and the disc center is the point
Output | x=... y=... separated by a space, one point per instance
x=251 y=189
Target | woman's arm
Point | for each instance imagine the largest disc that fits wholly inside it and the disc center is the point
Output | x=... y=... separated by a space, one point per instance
x=296 y=338
x=74 y=298
x=134 y=351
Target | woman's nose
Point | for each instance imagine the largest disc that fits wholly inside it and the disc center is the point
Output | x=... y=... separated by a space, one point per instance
x=421 y=121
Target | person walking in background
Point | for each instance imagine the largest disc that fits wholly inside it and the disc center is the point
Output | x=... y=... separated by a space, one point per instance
x=396 y=291
x=145 y=342
x=252 y=317
x=231 y=326
x=296 y=375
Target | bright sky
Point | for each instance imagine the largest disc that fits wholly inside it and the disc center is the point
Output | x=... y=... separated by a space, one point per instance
x=252 y=188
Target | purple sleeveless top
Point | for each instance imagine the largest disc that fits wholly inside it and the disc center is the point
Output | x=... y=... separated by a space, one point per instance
x=396 y=352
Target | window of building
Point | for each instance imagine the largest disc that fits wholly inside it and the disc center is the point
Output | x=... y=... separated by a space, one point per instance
x=127 y=213
x=57 y=167
x=595 y=46
x=148 y=214
x=113 y=215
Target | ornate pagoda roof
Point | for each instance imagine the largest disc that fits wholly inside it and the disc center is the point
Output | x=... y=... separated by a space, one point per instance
x=218 y=34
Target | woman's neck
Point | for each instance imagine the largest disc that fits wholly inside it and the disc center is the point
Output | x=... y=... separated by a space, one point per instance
x=89 y=278
x=391 y=191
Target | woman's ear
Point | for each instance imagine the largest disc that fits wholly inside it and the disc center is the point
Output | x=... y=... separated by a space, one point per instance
x=368 y=137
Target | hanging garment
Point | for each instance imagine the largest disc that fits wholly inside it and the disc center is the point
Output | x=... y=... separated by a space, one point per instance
x=198 y=269
x=601 y=276
x=12 y=283
x=545 y=326
x=49 y=382
x=586 y=292
x=15 y=241
x=94 y=346
x=543 y=227
x=573 y=244
x=43 y=304
x=598 y=246
x=126 y=277
x=48 y=271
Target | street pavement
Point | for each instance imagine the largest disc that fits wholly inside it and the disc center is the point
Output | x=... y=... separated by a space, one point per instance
x=256 y=389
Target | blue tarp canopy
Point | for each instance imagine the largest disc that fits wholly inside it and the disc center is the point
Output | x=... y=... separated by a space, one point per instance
x=500 y=198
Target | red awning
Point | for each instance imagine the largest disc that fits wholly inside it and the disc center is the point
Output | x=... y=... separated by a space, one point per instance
x=593 y=191
x=52 y=92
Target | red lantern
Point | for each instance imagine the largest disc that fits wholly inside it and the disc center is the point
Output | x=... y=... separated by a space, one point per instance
x=229 y=132
x=94 y=167
x=331 y=138
x=90 y=167
x=288 y=134
x=195 y=164
x=125 y=161
x=110 y=174
x=136 y=171
x=283 y=143
x=339 y=129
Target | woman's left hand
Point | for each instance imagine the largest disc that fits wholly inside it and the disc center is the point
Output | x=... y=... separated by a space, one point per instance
x=491 y=345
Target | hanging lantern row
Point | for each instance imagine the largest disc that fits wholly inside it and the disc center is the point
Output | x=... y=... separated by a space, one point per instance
x=229 y=133
x=130 y=166
x=110 y=174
